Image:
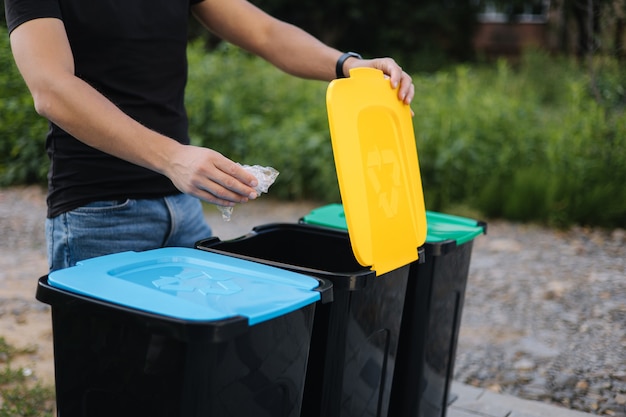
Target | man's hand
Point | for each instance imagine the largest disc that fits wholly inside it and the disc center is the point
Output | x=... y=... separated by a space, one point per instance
x=210 y=176
x=399 y=79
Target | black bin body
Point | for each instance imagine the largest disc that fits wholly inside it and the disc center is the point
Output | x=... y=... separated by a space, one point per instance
x=430 y=331
x=112 y=360
x=355 y=337
x=432 y=311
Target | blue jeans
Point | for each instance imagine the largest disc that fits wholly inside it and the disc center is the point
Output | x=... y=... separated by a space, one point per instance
x=106 y=227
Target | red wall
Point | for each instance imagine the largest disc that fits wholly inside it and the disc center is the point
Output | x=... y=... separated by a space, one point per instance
x=508 y=39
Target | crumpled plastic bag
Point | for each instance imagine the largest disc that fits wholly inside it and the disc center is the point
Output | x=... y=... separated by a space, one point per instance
x=265 y=177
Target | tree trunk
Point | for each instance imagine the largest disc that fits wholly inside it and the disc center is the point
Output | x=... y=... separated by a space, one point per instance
x=620 y=47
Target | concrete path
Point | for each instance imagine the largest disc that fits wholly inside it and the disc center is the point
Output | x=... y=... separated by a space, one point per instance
x=478 y=402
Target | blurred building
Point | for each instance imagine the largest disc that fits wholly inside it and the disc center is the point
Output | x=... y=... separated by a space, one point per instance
x=506 y=29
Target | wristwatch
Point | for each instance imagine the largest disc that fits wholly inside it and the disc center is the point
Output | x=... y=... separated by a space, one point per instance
x=342 y=59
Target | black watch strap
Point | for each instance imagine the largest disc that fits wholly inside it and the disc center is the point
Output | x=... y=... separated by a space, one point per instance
x=341 y=60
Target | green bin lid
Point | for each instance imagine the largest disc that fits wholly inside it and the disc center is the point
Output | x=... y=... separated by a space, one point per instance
x=440 y=227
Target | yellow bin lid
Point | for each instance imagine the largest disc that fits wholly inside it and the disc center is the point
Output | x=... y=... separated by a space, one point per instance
x=377 y=168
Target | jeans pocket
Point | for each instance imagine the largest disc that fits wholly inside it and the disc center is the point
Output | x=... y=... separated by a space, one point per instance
x=103 y=206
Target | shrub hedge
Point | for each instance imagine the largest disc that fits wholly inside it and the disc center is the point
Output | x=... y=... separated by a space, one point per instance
x=530 y=143
x=22 y=131
x=542 y=140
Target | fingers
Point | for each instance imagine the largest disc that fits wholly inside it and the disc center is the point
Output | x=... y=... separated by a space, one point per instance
x=227 y=184
x=210 y=176
x=399 y=79
x=406 y=92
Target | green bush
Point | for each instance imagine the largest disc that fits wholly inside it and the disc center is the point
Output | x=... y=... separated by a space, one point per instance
x=22 y=156
x=543 y=140
x=526 y=143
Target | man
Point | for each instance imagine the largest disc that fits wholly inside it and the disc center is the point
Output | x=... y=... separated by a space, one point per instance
x=109 y=75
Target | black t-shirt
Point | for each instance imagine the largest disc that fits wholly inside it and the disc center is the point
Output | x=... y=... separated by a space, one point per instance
x=134 y=53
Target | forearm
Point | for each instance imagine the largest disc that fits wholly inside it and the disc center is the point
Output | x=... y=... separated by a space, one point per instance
x=288 y=47
x=284 y=45
x=44 y=58
x=87 y=115
x=298 y=53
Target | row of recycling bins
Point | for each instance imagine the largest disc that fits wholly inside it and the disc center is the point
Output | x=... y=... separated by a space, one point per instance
x=282 y=322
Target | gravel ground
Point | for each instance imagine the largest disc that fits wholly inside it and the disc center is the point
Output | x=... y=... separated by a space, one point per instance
x=544 y=316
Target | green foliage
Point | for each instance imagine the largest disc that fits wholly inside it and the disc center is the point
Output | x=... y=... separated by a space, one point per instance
x=19 y=397
x=256 y=114
x=525 y=143
x=22 y=131
x=543 y=140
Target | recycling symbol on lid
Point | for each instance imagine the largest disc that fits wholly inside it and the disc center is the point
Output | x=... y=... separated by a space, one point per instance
x=379 y=163
x=192 y=280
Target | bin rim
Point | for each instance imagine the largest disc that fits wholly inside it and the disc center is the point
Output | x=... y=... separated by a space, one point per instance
x=452 y=227
x=442 y=229
x=350 y=280
x=189 y=284
x=185 y=330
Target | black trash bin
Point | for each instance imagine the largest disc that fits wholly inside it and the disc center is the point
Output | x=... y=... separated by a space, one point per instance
x=432 y=311
x=179 y=333
x=355 y=337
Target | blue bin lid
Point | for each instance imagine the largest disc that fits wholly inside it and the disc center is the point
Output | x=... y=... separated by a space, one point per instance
x=189 y=284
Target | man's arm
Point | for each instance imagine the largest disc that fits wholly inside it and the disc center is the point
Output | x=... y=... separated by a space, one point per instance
x=287 y=46
x=43 y=55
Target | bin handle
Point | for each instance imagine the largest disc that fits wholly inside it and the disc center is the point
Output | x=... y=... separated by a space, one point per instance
x=325 y=289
